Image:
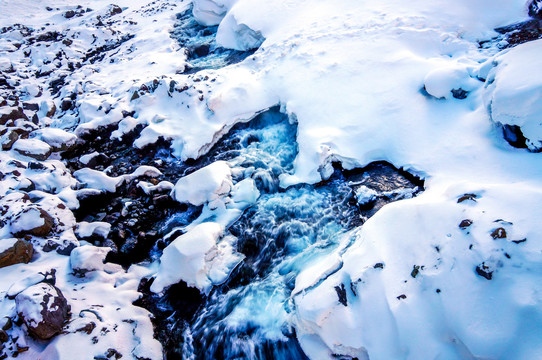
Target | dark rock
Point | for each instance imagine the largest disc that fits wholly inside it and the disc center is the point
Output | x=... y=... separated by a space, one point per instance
x=69 y=14
x=471 y=197
x=9 y=139
x=401 y=297
x=341 y=293
x=535 y=9
x=519 y=241
x=3 y=336
x=47 y=301
x=465 y=224
x=14 y=114
x=499 y=233
x=88 y=328
x=20 y=252
x=115 y=9
x=415 y=271
x=379 y=266
x=514 y=136
x=484 y=271
x=31 y=106
x=24 y=223
x=459 y=93
x=66 y=104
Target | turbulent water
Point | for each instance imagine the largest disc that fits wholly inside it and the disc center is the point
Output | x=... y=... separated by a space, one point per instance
x=249 y=316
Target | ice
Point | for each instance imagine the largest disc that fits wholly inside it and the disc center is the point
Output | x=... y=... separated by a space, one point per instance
x=204 y=185
x=85 y=159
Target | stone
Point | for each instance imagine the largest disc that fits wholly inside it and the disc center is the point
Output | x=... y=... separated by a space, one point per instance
x=33 y=148
x=44 y=310
x=13 y=114
x=32 y=221
x=69 y=14
x=8 y=139
x=15 y=251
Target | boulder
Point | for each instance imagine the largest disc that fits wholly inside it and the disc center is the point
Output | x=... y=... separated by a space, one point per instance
x=57 y=139
x=43 y=309
x=7 y=114
x=32 y=221
x=33 y=148
x=15 y=251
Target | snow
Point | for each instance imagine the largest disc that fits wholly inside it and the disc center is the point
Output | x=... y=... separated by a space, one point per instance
x=29 y=302
x=245 y=191
x=198 y=258
x=514 y=92
x=149 y=188
x=365 y=195
x=204 y=185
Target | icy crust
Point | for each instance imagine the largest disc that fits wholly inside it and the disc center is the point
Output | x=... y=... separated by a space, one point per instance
x=420 y=281
x=514 y=92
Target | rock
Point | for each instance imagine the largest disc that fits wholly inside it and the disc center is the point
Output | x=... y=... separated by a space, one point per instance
x=32 y=221
x=57 y=139
x=43 y=309
x=88 y=258
x=15 y=251
x=499 y=233
x=69 y=14
x=465 y=224
x=8 y=139
x=33 y=148
x=114 y=10
x=535 y=9
x=11 y=114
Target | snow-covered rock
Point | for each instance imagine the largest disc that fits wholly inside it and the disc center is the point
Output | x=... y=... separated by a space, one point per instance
x=44 y=310
x=98 y=180
x=32 y=220
x=88 y=258
x=197 y=258
x=204 y=185
x=514 y=93
x=97 y=228
x=33 y=148
x=58 y=139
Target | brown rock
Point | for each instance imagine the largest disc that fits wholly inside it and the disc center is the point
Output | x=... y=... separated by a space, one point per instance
x=20 y=252
x=43 y=309
x=25 y=223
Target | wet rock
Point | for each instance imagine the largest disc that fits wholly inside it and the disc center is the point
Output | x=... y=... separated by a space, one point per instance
x=43 y=309
x=33 y=148
x=32 y=221
x=15 y=251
